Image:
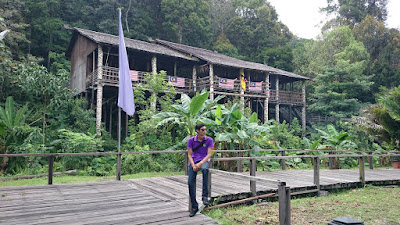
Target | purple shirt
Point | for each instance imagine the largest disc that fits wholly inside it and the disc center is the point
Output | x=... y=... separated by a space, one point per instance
x=201 y=152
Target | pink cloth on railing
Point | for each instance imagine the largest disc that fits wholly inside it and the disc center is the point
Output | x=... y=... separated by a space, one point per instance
x=134 y=75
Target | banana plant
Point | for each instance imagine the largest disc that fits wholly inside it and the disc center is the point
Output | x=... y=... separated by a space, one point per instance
x=334 y=140
x=235 y=131
x=234 y=128
x=189 y=112
x=11 y=122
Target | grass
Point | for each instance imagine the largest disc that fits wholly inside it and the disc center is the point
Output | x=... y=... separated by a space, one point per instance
x=372 y=205
x=63 y=179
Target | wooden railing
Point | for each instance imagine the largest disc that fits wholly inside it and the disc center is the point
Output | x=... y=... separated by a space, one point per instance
x=110 y=77
x=283 y=191
x=285 y=97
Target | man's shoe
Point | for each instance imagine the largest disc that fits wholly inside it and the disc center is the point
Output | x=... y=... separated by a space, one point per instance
x=205 y=201
x=193 y=212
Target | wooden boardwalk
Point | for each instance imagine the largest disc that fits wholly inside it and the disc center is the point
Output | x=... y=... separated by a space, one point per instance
x=116 y=202
x=159 y=200
x=226 y=188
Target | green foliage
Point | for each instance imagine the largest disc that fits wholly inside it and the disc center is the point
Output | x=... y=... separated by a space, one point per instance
x=72 y=142
x=385 y=115
x=352 y=12
x=190 y=112
x=283 y=136
x=342 y=86
x=334 y=140
x=224 y=46
x=186 y=21
x=234 y=130
x=255 y=31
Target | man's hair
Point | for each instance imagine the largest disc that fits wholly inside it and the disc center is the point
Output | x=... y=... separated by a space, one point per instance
x=199 y=125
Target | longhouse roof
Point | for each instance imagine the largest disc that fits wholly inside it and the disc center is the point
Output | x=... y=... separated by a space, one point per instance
x=220 y=59
x=104 y=38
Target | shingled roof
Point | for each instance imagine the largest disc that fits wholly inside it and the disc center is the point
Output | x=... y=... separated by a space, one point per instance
x=104 y=38
x=220 y=59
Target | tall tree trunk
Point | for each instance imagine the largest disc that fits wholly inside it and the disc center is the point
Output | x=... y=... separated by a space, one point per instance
x=180 y=33
x=126 y=16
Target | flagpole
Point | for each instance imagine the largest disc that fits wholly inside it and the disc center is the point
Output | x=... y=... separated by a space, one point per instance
x=119 y=145
x=125 y=92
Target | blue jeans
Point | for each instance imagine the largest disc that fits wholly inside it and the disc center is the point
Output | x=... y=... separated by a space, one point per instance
x=192 y=183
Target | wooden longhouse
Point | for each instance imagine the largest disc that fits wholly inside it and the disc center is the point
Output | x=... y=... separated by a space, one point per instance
x=271 y=92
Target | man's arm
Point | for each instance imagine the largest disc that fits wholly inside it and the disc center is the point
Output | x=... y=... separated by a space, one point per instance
x=208 y=156
x=194 y=166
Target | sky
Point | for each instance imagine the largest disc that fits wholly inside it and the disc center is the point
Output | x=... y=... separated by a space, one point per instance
x=304 y=20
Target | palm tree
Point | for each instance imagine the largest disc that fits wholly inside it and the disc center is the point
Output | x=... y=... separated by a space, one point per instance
x=383 y=119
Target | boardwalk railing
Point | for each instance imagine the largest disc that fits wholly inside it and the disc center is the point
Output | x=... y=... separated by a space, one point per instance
x=283 y=191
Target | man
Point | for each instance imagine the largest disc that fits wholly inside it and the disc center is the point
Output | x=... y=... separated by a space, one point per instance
x=199 y=152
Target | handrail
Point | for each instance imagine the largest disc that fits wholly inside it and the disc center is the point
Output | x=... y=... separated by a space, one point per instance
x=283 y=190
x=295 y=156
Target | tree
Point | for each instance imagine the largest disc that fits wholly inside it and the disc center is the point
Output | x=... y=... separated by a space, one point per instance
x=221 y=11
x=341 y=85
x=255 y=29
x=352 y=12
x=224 y=46
x=13 y=19
x=47 y=32
x=186 y=22
x=384 y=48
x=39 y=84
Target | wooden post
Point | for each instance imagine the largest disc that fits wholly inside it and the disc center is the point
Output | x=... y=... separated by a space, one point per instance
x=239 y=163
x=194 y=78
x=362 y=170
x=253 y=173
x=303 y=110
x=211 y=74
x=330 y=164
x=267 y=98
x=283 y=161
x=92 y=78
x=316 y=164
x=284 y=204
x=51 y=162
x=110 y=124
x=370 y=161
x=209 y=179
x=153 y=104
x=119 y=167
x=99 y=101
x=175 y=68
x=277 y=99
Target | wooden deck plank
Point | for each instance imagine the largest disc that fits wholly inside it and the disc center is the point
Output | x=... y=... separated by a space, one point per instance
x=162 y=200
